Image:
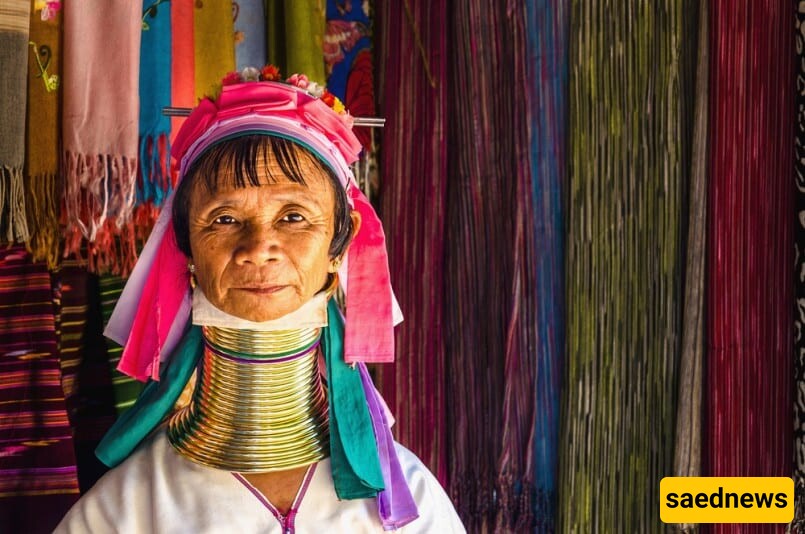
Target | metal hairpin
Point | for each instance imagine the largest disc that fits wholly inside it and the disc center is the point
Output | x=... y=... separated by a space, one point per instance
x=369 y=122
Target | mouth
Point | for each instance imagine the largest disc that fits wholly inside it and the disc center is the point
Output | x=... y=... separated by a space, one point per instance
x=263 y=290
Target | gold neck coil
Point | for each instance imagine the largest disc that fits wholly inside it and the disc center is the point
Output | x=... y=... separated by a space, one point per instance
x=259 y=403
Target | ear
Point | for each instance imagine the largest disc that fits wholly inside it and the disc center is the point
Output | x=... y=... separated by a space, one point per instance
x=356 y=223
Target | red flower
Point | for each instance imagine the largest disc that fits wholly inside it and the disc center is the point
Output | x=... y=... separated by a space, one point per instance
x=270 y=73
x=231 y=78
x=328 y=98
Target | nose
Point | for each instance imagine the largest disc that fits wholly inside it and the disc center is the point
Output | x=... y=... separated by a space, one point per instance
x=259 y=244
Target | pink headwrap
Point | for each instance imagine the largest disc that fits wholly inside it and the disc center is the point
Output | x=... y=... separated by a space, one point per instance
x=154 y=307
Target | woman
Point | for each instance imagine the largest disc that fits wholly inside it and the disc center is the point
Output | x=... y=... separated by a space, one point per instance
x=284 y=431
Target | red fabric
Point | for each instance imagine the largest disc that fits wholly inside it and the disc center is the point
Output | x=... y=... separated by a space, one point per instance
x=748 y=398
x=183 y=85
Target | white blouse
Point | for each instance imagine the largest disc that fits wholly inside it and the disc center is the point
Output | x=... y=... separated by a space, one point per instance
x=157 y=490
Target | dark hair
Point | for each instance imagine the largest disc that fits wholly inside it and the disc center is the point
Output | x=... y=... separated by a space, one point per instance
x=242 y=154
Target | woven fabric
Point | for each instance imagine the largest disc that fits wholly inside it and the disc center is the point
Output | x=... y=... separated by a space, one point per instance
x=412 y=204
x=42 y=136
x=126 y=389
x=748 y=393
x=85 y=373
x=799 y=270
x=688 y=446
x=38 y=480
x=348 y=61
x=627 y=164
x=183 y=62
x=294 y=37
x=547 y=27
x=214 y=45
x=99 y=130
x=155 y=93
x=14 y=25
x=250 y=33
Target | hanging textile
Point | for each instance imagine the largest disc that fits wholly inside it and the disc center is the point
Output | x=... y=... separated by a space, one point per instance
x=183 y=61
x=154 y=181
x=627 y=169
x=547 y=25
x=749 y=275
x=99 y=130
x=14 y=25
x=42 y=134
x=348 y=60
x=214 y=45
x=799 y=270
x=86 y=379
x=490 y=310
x=412 y=200
x=250 y=33
x=688 y=446
x=126 y=389
x=38 y=481
x=294 y=37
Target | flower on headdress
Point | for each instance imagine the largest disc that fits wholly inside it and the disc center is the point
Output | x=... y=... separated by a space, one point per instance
x=299 y=80
x=250 y=74
x=315 y=89
x=231 y=78
x=333 y=101
x=270 y=73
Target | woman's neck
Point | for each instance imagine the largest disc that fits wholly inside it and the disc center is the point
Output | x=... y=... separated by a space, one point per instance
x=259 y=404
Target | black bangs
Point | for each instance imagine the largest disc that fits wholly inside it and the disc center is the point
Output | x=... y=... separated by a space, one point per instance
x=243 y=156
x=236 y=162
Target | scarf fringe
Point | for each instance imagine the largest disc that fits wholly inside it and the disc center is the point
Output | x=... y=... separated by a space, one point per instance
x=98 y=205
x=13 y=224
x=515 y=510
x=42 y=197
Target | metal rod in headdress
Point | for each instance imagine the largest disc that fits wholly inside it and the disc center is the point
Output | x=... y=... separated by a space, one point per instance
x=368 y=122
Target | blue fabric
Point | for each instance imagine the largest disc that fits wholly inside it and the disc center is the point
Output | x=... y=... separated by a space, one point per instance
x=155 y=93
x=337 y=77
x=250 y=33
x=547 y=28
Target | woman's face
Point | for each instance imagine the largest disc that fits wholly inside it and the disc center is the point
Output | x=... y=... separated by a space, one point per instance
x=262 y=252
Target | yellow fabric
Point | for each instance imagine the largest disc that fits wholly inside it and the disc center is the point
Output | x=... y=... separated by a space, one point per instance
x=214 y=45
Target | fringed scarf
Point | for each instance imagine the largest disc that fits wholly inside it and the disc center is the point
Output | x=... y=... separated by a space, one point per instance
x=412 y=201
x=154 y=181
x=100 y=124
x=688 y=446
x=627 y=169
x=14 y=24
x=214 y=45
x=748 y=393
x=490 y=279
x=547 y=26
x=38 y=481
x=799 y=270
x=294 y=37
x=42 y=187
x=250 y=33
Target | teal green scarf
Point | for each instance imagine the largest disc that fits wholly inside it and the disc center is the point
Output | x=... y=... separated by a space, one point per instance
x=353 y=450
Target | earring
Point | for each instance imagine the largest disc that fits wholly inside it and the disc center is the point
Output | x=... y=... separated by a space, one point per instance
x=336 y=264
x=192 y=269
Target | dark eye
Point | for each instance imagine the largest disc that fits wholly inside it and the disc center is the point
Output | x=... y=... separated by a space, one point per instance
x=293 y=218
x=225 y=219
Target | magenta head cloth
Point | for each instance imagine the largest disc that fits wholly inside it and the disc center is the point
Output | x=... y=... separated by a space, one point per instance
x=155 y=304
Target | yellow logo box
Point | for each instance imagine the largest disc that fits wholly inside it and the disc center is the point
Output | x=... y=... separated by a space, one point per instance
x=726 y=500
